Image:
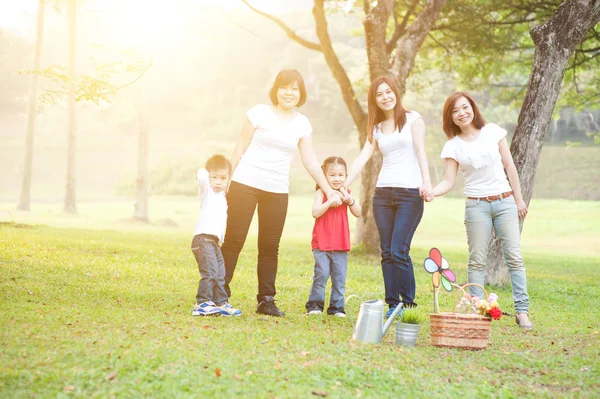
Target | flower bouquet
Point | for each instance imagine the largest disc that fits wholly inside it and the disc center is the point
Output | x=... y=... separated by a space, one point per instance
x=470 y=304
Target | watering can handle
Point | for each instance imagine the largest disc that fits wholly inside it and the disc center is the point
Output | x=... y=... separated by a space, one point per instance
x=348 y=300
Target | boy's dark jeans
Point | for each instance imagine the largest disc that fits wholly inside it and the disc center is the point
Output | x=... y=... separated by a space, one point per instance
x=212 y=269
x=397 y=212
x=242 y=201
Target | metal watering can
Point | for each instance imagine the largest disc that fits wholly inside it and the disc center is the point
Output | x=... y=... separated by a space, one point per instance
x=370 y=326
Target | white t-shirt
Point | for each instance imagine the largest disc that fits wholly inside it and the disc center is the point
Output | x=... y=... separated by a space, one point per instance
x=213 y=209
x=480 y=162
x=266 y=162
x=400 y=164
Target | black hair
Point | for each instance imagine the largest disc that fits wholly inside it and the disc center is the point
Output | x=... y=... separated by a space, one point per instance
x=332 y=161
x=284 y=78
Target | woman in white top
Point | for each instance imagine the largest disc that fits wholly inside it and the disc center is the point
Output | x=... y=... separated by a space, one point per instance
x=404 y=176
x=493 y=200
x=261 y=168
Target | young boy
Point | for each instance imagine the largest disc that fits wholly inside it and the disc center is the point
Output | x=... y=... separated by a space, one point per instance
x=211 y=298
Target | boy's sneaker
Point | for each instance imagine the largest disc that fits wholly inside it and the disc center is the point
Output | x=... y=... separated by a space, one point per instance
x=205 y=309
x=391 y=310
x=315 y=311
x=267 y=306
x=339 y=314
x=228 y=310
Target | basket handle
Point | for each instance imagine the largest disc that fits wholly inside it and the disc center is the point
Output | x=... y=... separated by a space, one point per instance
x=460 y=288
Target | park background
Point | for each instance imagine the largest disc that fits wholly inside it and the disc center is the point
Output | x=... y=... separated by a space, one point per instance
x=67 y=278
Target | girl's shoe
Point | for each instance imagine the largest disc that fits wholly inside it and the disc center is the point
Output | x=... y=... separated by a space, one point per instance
x=523 y=321
x=228 y=310
x=315 y=311
x=339 y=314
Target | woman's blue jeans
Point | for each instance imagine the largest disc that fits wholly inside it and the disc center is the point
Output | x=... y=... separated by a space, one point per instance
x=397 y=213
x=501 y=215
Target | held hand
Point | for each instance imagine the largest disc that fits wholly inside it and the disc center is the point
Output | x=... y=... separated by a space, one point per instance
x=331 y=193
x=429 y=197
x=426 y=192
x=346 y=197
x=521 y=209
x=335 y=199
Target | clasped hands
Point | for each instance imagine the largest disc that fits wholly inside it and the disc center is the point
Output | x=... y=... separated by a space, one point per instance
x=339 y=197
x=426 y=192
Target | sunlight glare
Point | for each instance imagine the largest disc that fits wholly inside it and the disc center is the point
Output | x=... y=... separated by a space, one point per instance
x=140 y=23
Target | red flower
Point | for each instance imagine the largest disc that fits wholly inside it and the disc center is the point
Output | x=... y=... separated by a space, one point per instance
x=495 y=313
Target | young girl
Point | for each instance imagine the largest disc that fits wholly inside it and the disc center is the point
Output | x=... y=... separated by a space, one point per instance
x=331 y=239
x=494 y=197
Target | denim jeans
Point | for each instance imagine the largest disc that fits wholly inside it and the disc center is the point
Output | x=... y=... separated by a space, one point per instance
x=242 y=202
x=212 y=269
x=397 y=213
x=480 y=218
x=334 y=264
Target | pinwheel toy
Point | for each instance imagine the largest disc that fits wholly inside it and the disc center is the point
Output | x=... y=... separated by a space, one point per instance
x=440 y=271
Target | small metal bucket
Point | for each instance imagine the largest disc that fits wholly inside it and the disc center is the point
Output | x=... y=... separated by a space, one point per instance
x=406 y=334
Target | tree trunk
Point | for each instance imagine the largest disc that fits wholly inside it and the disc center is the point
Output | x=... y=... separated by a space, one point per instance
x=407 y=47
x=555 y=42
x=70 y=200
x=25 y=197
x=141 y=199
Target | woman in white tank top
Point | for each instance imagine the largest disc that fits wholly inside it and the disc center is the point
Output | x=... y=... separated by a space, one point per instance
x=404 y=176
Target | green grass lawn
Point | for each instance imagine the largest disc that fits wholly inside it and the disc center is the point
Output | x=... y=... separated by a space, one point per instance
x=95 y=305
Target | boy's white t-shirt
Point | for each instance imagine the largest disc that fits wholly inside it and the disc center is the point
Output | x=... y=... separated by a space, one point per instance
x=213 y=209
x=400 y=164
x=266 y=162
x=480 y=162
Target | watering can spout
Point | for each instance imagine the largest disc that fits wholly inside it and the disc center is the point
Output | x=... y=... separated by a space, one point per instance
x=390 y=319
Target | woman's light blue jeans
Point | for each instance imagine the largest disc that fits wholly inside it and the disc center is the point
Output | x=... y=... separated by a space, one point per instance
x=480 y=217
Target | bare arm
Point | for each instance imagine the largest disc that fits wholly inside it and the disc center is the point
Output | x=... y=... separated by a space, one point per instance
x=359 y=163
x=451 y=167
x=319 y=207
x=242 y=143
x=354 y=207
x=309 y=160
x=513 y=177
x=418 y=136
x=351 y=202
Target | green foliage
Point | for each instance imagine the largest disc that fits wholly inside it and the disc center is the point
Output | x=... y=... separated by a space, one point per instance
x=97 y=86
x=412 y=316
x=486 y=46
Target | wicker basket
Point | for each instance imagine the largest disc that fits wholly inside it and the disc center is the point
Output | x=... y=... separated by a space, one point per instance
x=455 y=330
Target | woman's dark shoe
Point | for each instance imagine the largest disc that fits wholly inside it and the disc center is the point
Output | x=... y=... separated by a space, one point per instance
x=523 y=321
x=267 y=306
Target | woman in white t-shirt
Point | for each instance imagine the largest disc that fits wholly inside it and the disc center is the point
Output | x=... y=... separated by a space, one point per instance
x=261 y=168
x=493 y=200
x=404 y=176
